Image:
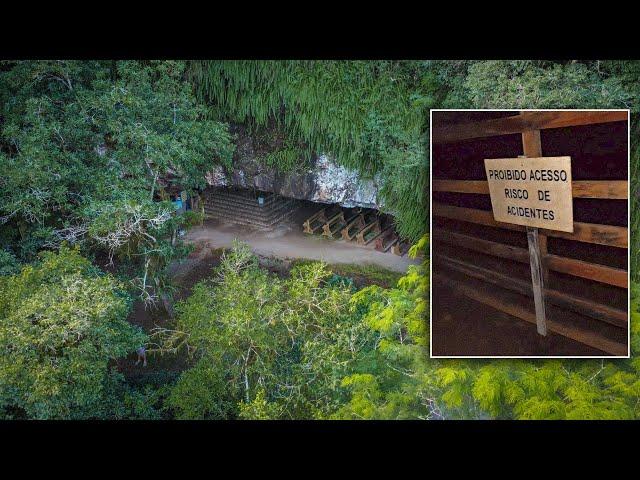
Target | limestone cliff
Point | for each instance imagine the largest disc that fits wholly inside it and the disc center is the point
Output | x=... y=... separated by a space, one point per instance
x=323 y=180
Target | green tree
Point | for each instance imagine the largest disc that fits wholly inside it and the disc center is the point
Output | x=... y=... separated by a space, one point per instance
x=395 y=381
x=89 y=150
x=8 y=263
x=300 y=347
x=253 y=333
x=532 y=84
x=62 y=323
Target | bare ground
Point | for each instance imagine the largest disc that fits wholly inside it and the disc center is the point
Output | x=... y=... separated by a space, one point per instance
x=287 y=241
x=464 y=327
x=185 y=274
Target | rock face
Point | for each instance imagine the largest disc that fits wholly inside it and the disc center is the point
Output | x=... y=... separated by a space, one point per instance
x=324 y=182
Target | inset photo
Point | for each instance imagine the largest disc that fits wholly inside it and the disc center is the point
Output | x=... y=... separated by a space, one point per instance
x=529 y=233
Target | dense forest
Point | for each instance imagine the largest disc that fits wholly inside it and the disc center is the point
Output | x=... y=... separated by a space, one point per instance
x=88 y=153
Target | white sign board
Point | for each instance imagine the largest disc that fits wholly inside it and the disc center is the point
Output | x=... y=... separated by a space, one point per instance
x=535 y=192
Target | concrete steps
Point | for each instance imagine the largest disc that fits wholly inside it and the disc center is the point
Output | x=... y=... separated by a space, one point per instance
x=243 y=208
x=247 y=199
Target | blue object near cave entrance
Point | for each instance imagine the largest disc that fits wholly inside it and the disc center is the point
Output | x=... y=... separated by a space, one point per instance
x=181 y=202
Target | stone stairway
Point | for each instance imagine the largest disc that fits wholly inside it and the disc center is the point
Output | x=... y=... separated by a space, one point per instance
x=242 y=207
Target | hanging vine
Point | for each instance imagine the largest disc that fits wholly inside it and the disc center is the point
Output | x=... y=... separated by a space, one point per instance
x=369 y=116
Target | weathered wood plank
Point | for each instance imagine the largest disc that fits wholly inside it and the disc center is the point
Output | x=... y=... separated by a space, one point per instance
x=348 y=232
x=476 y=244
x=537 y=279
x=531 y=143
x=338 y=216
x=565 y=118
x=532 y=147
x=319 y=216
x=400 y=248
x=582 y=232
x=571 y=266
x=604 y=313
x=376 y=236
x=460 y=186
x=353 y=215
x=592 y=271
x=521 y=123
x=334 y=225
x=386 y=239
x=544 y=251
x=360 y=236
x=605 y=189
x=602 y=189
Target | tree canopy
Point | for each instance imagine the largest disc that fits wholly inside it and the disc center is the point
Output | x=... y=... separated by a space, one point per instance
x=299 y=347
x=88 y=148
x=89 y=153
x=62 y=323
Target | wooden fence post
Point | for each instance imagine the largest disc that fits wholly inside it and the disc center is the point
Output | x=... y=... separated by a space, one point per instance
x=532 y=147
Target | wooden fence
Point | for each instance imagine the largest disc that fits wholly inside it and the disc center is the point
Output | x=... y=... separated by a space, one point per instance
x=585 y=288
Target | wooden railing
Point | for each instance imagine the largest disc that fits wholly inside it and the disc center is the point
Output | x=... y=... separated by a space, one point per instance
x=523 y=122
x=529 y=125
x=610 y=235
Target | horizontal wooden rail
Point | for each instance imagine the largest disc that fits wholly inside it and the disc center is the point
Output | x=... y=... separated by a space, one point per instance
x=582 y=232
x=460 y=186
x=592 y=271
x=613 y=316
x=586 y=337
x=522 y=122
x=476 y=244
x=603 y=189
x=606 y=189
x=571 y=266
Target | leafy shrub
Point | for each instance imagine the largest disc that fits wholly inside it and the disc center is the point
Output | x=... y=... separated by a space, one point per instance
x=8 y=263
x=60 y=327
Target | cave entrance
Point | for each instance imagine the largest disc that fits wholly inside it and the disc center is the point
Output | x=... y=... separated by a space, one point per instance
x=245 y=206
x=363 y=227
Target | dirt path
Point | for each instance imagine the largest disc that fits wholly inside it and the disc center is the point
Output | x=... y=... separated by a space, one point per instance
x=275 y=248
x=186 y=274
x=288 y=242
